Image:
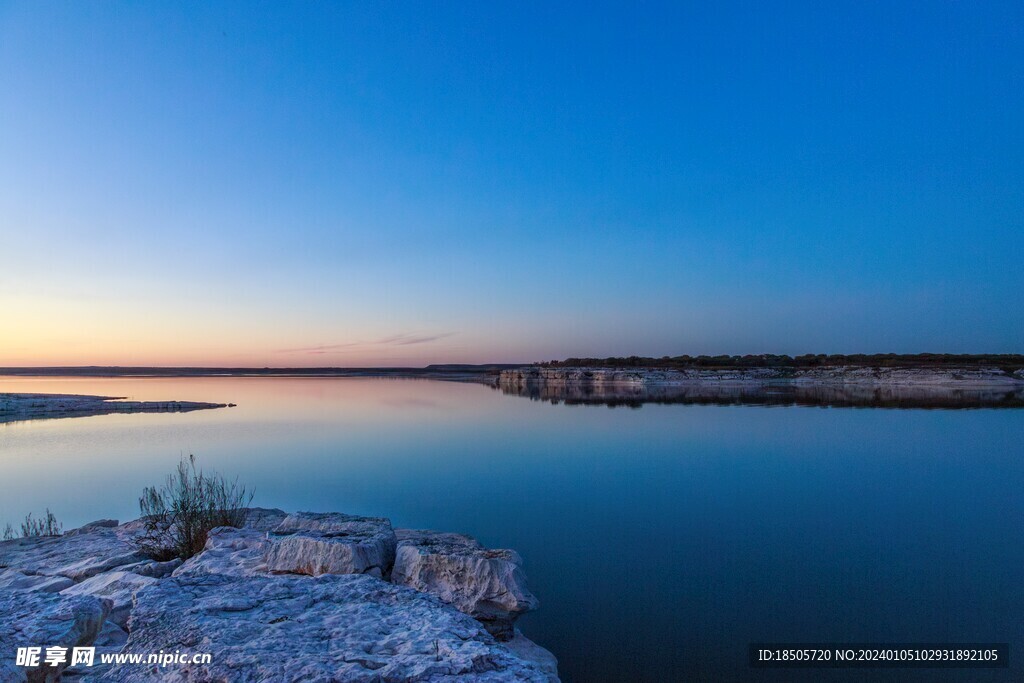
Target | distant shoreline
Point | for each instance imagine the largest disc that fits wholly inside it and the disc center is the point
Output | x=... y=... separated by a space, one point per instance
x=452 y=371
x=1009 y=363
x=937 y=383
x=849 y=386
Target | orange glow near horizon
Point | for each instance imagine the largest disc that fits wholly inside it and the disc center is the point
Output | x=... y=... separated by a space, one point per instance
x=42 y=334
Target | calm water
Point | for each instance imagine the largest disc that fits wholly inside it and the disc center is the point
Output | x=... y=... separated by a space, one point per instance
x=660 y=540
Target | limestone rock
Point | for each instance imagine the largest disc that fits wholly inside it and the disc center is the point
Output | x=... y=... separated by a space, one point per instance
x=111 y=637
x=118 y=586
x=831 y=374
x=331 y=543
x=157 y=570
x=264 y=519
x=43 y=619
x=488 y=585
x=77 y=556
x=18 y=407
x=352 y=628
x=102 y=546
x=332 y=523
x=16 y=580
x=236 y=601
x=111 y=640
x=233 y=552
x=93 y=526
x=532 y=652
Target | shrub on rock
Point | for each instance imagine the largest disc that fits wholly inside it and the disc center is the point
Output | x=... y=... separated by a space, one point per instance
x=178 y=516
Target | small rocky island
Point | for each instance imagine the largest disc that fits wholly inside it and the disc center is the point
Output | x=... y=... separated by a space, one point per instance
x=285 y=597
x=20 y=407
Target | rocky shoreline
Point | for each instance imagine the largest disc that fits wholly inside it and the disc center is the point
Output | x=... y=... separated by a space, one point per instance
x=21 y=407
x=836 y=386
x=287 y=597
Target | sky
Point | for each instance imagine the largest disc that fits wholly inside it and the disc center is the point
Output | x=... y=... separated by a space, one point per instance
x=355 y=184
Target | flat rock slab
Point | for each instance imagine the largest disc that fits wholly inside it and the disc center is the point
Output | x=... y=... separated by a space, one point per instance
x=333 y=523
x=118 y=586
x=44 y=619
x=76 y=556
x=352 y=628
x=488 y=585
x=264 y=519
x=153 y=568
x=93 y=526
x=228 y=551
x=332 y=543
x=17 y=580
x=18 y=407
x=100 y=547
x=262 y=622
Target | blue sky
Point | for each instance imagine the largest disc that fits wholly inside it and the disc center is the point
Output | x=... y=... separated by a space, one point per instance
x=358 y=184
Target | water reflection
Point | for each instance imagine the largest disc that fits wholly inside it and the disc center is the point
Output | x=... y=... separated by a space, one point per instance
x=660 y=541
x=836 y=396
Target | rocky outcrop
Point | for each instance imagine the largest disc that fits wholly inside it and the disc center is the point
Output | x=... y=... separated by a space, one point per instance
x=157 y=570
x=315 y=544
x=961 y=377
x=93 y=526
x=76 y=555
x=822 y=386
x=15 y=580
x=119 y=587
x=532 y=652
x=264 y=519
x=38 y=618
x=265 y=599
x=488 y=585
x=236 y=552
x=18 y=407
x=231 y=552
x=296 y=628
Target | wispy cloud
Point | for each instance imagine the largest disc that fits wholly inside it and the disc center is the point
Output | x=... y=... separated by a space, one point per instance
x=403 y=339
x=323 y=348
x=409 y=339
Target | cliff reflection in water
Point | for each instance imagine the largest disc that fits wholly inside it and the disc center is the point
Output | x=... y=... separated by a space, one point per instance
x=836 y=396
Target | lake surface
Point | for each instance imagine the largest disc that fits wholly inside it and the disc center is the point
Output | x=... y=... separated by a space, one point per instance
x=661 y=540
